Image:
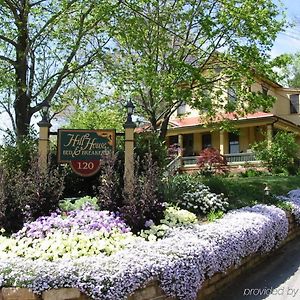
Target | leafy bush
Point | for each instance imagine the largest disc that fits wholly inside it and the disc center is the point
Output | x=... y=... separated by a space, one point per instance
x=143 y=201
x=253 y=173
x=70 y=204
x=210 y=161
x=173 y=217
x=280 y=155
x=149 y=143
x=201 y=200
x=16 y=155
x=187 y=192
x=214 y=215
x=25 y=196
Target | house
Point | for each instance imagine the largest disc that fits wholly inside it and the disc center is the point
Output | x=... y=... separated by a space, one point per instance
x=192 y=134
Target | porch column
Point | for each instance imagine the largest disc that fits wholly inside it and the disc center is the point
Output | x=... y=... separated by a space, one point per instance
x=222 y=142
x=180 y=143
x=269 y=135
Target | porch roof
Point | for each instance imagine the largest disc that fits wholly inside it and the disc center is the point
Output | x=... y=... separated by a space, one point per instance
x=262 y=118
x=194 y=121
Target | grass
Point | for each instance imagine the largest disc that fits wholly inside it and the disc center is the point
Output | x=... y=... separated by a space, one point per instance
x=250 y=190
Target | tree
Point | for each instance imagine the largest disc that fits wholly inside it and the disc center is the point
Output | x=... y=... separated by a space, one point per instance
x=44 y=45
x=94 y=117
x=280 y=155
x=170 y=52
x=291 y=72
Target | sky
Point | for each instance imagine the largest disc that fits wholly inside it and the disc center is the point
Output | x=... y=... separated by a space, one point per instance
x=289 y=41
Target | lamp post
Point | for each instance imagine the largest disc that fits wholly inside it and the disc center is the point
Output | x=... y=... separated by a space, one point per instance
x=129 y=127
x=44 y=126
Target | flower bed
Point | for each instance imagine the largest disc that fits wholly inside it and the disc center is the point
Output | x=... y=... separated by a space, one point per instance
x=181 y=261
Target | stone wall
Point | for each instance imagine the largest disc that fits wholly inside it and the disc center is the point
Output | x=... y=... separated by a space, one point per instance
x=152 y=291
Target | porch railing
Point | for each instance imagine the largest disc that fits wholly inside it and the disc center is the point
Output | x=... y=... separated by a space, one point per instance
x=174 y=165
x=240 y=157
x=231 y=158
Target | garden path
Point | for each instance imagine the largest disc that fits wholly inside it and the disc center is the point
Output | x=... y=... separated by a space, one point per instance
x=278 y=278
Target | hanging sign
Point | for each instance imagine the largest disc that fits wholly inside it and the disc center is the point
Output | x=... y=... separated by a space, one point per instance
x=84 y=149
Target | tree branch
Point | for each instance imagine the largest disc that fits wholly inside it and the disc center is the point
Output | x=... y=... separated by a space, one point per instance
x=8 y=40
x=7 y=59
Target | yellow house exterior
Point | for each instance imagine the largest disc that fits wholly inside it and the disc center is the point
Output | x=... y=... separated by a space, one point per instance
x=192 y=135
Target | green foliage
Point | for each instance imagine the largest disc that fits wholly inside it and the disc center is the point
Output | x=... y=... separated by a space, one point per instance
x=15 y=154
x=250 y=190
x=25 y=196
x=45 y=54
x=93 y=116
x=187 y=192
x=149 y=143
x=253 y=173
x=166 y=54
x=214 y=215
x=173 y=217
x=76 y=204
x=290 y=71
x=280 y=155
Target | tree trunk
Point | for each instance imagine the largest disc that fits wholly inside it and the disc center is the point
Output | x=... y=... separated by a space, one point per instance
x=22 y=99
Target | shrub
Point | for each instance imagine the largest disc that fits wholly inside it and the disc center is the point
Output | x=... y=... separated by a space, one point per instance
x=280 y=155
x=70 y=204
x=110 y=183
x=149 y=143
x=201 y=200
x=210 y=161
x=143 y=201
x=187 y=192
x=25 y=196
x=16 y=155
x=173 y=217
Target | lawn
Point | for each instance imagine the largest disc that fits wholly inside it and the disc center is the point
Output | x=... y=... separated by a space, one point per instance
x=250 y=190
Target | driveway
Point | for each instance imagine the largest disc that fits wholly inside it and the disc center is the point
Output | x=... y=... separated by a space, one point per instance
x=278 y=278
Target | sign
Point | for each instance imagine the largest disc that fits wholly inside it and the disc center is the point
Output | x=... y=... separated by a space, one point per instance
x=84 y=149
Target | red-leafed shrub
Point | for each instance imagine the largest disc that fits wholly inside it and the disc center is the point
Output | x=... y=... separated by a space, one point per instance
x=210 y=161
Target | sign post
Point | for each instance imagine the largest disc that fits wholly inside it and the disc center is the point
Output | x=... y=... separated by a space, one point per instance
x=84 y=149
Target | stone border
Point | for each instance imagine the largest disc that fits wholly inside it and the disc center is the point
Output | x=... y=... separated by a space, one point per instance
x=152 y=291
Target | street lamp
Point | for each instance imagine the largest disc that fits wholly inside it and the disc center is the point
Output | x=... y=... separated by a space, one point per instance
x=44 y=126
x=130 y=109
x=45 y=111
x=267 y=190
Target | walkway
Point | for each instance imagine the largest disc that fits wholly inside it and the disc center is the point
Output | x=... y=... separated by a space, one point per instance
x=278 y=278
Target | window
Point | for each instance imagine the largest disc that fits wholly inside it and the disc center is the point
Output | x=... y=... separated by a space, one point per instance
x=231 y=93
x=294 y=103
x=265 y=90
x=188 y=144
x=206 y=141
x=234 y=143
x=181 y=110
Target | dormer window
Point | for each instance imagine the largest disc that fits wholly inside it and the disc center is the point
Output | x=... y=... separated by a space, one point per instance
x=294 y=103
x=181 y=110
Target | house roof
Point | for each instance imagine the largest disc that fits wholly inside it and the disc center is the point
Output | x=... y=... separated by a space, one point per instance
x=194 y=121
